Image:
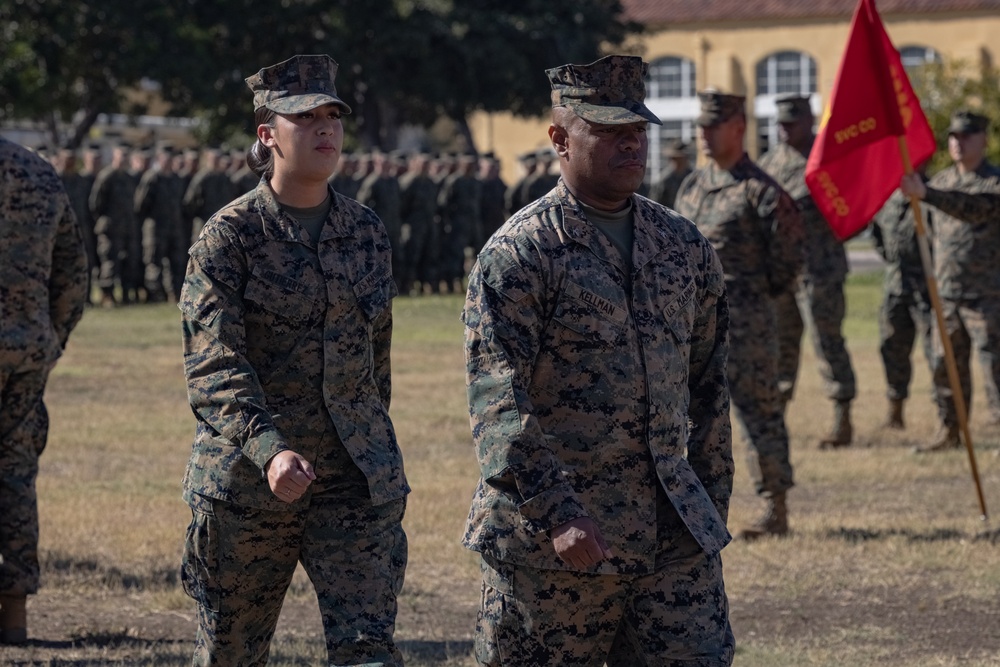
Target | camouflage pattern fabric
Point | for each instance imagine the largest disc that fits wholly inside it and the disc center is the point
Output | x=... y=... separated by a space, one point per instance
x=112 y=202
x=966 y=210
x=158 y=205
x=756 y=230
x=666 y=189
x=905 y=312
x=287 y=346
x=381 y=194
x=819 y=294
x=585 y=398
x=43 y=279
x=458 y=205
x=677 y=616
x=298 y=84
x=609 y=91
x=209 y=191
x=280 y=338
x=492 y=208
x=78 y=188
x=419 y=213
x=718 y=107
x=238 y=562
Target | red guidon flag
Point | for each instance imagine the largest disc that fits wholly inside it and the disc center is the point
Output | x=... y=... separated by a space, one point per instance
x=855 y=162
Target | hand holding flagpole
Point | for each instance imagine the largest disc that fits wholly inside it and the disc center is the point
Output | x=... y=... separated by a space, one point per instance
x=873 y=120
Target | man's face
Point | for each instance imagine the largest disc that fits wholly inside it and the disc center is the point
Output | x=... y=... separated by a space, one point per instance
x=969 y=149
x=722 y=141
x=796 y=132
x=603 y=164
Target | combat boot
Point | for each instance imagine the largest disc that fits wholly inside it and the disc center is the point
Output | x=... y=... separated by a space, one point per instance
x=946 y=438
x=842 y=431
x=894 y=418
x=13 y=620
x=774 y=521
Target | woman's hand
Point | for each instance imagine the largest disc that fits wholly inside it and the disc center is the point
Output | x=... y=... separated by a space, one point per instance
x=289 y=475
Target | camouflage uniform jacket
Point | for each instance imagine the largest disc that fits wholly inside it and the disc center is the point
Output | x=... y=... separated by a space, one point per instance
x=587 y=383
x=895 y=235
x=753 y=224
x=825 y=257
x=112 y=201
x=966 y=231
x=159 y=198
x=43 y=265
x=283 y=335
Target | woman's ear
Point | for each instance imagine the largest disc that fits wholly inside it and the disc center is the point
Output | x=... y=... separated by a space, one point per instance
x=265 y=133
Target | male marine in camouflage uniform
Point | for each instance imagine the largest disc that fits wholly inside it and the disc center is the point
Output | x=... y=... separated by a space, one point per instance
x=492 y=206
x=458 y=206
x=665 y=190
x=112 y=202
x=77 y=186
x=380 y=193
x=596 y=341
x=43 y=280
x=965 y=202
x=418 y=194
x=818 y=296
x=906 y=307
x=755 y=227
x=210 y=189
x=514 y=197
x=159 y=207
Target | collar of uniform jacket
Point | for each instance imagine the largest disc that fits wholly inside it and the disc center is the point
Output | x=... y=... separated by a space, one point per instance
x=279 y=226
x=647 y=240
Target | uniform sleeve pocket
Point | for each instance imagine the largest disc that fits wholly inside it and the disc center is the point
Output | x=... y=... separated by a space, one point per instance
x=375 y=291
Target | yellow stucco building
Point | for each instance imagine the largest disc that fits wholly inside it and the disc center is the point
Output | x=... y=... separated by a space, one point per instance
x=761 y=49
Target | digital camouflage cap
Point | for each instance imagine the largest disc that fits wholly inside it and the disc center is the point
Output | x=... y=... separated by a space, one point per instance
x=610 y=91
x=967 y=122
x=298 y=84
x=718 y=107
x=792 y=108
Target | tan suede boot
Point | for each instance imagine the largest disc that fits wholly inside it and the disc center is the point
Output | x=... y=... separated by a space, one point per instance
x=946 y=438
x=842 y=432
x=13 y=619
x=894 y=418
x=774 y=521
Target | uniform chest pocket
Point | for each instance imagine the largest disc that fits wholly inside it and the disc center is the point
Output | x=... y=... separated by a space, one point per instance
x=374 y=292
x=679 y=314
x=284 y=299
x=590 y=316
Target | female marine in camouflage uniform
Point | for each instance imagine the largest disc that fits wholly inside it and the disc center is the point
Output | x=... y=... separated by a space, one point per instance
x=287 y=324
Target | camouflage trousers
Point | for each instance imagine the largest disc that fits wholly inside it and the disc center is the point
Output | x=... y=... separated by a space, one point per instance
x=675 y=617
x=969 y=322
x=820 y=307
x=901 y=318
x=24 y=427
x=753 y=388
x=239 y=561
x=162 y=248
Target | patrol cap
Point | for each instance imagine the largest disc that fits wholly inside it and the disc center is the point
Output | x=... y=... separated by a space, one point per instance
x=295 y=85
x=610 y=91
x=792 y=108
x=718 y=107
x=967 y=122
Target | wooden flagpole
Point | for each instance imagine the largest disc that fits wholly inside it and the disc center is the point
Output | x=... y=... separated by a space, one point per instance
x=949 y=355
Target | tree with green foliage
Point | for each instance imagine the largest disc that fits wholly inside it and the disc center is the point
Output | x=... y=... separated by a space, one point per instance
x=944 y=88
x=402 y=61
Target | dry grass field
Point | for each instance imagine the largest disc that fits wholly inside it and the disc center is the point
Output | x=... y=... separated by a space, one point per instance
x=888 y=564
